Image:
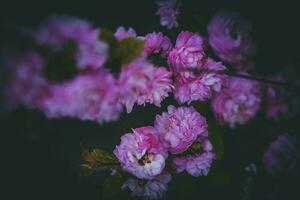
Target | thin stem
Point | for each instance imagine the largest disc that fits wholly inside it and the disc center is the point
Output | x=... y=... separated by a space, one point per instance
x=248 y=77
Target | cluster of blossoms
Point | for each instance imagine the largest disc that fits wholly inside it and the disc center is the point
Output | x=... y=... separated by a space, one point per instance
x=91 y=92
x=179 y=135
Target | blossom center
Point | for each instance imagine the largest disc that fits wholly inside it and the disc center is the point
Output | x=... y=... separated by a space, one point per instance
x=145 y=159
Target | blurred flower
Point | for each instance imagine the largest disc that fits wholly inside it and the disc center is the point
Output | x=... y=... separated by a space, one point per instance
x=121 y=33
x=27 y=85
x=198 y=162
x=56 y=30
x=190 y=86
x=282 y=156
x=141 y=153
x=168 y=11
x=188 y=51
x=277 y=103
x=87 y=97
x=180 y=127
x=152 y=189
x=238 y=102
x=157 y=43
x=141 y=82
x=229 y=37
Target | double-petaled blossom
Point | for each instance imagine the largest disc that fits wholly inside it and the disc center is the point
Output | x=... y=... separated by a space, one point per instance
x=157 y=43
x=141 y=82
x=151 y=189
x=92 y=96
x=121 y=33
x=168 y=11
x=198 y=161
x=238 y=102
x=141 y=153
x=191 y=86
x=180 y=127
x=229 y=37
x=282 y=156
x=188 y=51
x=27 y=85
x=57 y=30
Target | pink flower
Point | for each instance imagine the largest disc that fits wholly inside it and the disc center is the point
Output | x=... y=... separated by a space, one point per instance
x=282 y=156
x=277 y=105
x=91 y=52
x=229 y=37
x=87 y=97
x=141 y=153
x=152 y=189
x=157 y=43
x=238 y=102
x=140 y=82
x=188 y=51
x=180 y=127
x=121 y=33
x=168 y=12
x=27 y=85
x=190 y=86
x=197 y=163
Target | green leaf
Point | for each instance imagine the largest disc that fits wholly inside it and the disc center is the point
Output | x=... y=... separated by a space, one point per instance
x=97 y=160
x=129 y=49
x=108 y=37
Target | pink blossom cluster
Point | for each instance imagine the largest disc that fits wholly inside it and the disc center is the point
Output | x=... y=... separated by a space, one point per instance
x=181 y=132
x=196 y=76
x=229 y=37
x=238 y=102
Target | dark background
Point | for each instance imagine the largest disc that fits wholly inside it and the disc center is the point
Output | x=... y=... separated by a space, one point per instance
x=41 y=157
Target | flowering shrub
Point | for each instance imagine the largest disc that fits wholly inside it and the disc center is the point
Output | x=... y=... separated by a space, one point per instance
x=78 y=70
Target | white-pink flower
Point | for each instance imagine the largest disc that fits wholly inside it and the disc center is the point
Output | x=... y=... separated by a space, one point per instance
x=141 y=153
x=180 y=127
x=141 y=82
